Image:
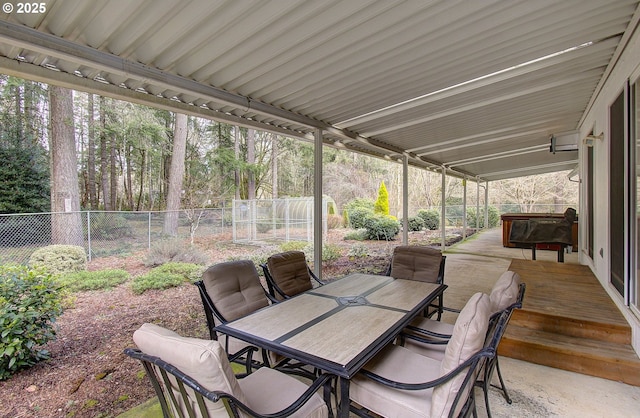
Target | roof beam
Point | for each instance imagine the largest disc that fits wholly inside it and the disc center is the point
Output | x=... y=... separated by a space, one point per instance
x=498 y=155
x=62 y=79
x=543 y=167
x=33 y=40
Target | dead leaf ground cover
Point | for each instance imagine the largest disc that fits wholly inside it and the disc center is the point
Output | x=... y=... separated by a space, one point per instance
x=89 y=376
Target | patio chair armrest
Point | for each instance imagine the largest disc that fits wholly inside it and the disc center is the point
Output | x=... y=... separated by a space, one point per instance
x=471 y=361
x=428 y=335
x=314 y=277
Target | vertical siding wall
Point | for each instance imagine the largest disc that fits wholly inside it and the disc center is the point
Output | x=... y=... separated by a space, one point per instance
x=597 y=119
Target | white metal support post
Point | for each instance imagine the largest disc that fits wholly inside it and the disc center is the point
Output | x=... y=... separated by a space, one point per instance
x=486 y=204
x=464 y=207
x=405 y=199
x=317 y=203
x=477 y=204
x=443 y=208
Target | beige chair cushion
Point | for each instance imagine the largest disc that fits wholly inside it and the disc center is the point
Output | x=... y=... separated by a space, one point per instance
x=401 y=365
x=505 y=291
x=203 y=360
x=290 y=272
x=467 y=338
x=234 y=288
x=270 y=391
x=416 y=263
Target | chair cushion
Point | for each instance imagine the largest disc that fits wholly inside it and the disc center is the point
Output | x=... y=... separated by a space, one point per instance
x=269 y=391
x=416 y=263
x=468 y=337
x=401 y=365
x=203 y=360
x=290 y=272
x=234 y=288
x=505 y=291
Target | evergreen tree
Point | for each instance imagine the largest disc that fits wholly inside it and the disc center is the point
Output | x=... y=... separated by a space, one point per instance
x=382 y=203
x=25 y=181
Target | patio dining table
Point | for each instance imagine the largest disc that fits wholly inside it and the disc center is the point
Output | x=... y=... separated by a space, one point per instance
x=337 y=327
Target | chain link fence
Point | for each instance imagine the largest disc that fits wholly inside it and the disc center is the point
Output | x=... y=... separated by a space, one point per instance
x=107 y=233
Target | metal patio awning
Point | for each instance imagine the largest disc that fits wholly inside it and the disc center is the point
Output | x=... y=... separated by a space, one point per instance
x=475 y=87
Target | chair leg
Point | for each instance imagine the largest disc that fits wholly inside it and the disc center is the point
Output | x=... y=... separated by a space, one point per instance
x=502 y=386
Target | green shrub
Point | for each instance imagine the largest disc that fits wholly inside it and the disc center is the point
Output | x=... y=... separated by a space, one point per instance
x=174 y=250
x=494 y=217
x=358 y=250
x=264 y=227
x=330 y=252
x=358 y=215
x=29 y=305
x=59 y=259
x=166 y=276
x=357 y=235
x=293 y=246
x=381 y=227
x=431 y=218
x=415 y=223
x=93 y=280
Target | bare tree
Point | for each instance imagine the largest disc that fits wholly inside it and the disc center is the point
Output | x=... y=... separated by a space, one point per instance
x=176 y=175
x=66 y=224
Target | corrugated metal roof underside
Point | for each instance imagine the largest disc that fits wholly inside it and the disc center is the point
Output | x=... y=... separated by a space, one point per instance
x=453 y=83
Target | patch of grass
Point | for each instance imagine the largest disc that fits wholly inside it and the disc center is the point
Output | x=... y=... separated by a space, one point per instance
x=93 y=280
x=166 y=276
x=356 y=235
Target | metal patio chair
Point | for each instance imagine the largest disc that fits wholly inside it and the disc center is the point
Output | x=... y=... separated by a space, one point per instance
x=421 y=263
x=287 y=274
x=400 y=382
x=229 y=291
x=430 y=338
x=192 y=377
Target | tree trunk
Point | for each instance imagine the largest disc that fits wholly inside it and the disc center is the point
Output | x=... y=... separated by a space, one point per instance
x=104 y=156
x=251 y=160
x=176 y=175
x=113 y=172
x=143 y=168
x=129 y=175
x=91 y=155
x=66 y=223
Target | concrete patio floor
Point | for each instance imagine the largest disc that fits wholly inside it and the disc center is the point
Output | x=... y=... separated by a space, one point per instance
x=537 y=391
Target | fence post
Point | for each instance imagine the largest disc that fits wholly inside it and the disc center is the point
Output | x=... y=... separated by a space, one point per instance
x=89 y=233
